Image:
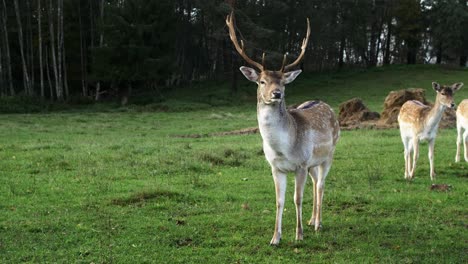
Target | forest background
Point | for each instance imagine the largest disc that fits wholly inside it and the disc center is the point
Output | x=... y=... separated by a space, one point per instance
x=93 y=50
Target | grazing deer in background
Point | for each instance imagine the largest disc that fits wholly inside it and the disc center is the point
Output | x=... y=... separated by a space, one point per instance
x=300 y=140
x=462 y=124
x=420 y=122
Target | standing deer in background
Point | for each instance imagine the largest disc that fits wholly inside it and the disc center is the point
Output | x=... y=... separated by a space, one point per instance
x=420 y=122
x=300 y=140
x=462 y=124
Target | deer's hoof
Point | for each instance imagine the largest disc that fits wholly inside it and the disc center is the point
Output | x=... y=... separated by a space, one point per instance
x=275 y=240
x=318 y=227
x=299 y=237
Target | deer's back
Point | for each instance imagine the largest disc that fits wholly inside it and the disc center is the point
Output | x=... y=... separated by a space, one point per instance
x=413 y=112
x=318 y=118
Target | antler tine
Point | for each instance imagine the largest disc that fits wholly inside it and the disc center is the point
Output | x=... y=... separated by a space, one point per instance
x=263 y=60
x=240 y=50
x=303 y=49
x=284 y=62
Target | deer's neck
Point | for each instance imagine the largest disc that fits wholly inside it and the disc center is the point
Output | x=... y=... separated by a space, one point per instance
x=434 y=116
x=275 y=124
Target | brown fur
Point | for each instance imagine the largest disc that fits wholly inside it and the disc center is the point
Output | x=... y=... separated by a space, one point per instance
x=463 y=108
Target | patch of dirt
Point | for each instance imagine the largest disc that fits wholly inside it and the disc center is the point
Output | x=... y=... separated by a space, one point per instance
x=142 y=197
x=440 y=187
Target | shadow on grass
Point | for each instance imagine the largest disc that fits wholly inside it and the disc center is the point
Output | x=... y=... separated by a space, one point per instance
x=144 y=196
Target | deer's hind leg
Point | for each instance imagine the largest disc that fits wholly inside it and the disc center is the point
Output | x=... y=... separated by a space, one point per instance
x=301 y=178
x=465 y=143
x=407 y=155
x=313 y=173
x=459 y=140
x=415 y=143
x=319 y=188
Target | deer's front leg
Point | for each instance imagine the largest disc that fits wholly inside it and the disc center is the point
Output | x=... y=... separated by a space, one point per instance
x=301 y=178
x=431 y=158
x=280 y=188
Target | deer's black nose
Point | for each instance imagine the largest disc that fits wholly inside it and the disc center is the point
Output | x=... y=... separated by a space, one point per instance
x=452 y=105
x=276 y=94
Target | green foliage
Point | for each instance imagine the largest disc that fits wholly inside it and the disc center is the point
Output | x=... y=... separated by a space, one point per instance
x=138 y=43
x=120 y=187
x=453 y=15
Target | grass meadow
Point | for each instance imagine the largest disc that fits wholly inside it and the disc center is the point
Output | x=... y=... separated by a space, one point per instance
x=116 y=185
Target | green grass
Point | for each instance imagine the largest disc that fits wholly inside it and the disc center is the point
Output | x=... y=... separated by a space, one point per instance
x=117 y=187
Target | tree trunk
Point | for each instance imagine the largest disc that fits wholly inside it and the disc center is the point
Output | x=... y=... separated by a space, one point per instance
x=30 y=47
x=65 y=76
x=60 y=95
x=342 y=49
x=388 y=42
x=101 y=42
x=61 y=47
x=84 y=85
x=39 y=29
x=439 y=54
x=2 y=86
x=463 y=60
x=372 y=62
x=51 y=89
x=21 y=44
x=9 y=76
x=52 y=50
x=234 y=70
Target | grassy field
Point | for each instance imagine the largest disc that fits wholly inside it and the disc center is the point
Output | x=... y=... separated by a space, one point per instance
x=116 y=186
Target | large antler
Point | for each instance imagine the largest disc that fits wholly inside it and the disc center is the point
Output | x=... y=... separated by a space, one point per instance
x=303 y=48
x=240 y=49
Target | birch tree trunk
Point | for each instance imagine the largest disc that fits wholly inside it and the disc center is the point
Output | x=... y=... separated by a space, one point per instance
x=59 y=88
x=7 y=50
x=2 y=87
x=51 y=89
x=39 y=29
x=21 y=43
x=101 y=41
x=52 y=50
x=84 y=85
x=65 y=76
x=30 y=49
x=62 y=51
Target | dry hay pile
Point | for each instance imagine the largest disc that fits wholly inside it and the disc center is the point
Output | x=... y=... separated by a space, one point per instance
x=354 y=114
x=396 y=99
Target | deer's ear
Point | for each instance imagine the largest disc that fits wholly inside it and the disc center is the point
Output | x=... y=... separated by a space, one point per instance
x=289 y=77
x=249 y=73
x=457 y=86
x=436 y=86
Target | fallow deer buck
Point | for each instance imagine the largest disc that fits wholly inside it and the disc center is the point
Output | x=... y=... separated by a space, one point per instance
x=301 y=140
x=419 y=122
x=462 y=125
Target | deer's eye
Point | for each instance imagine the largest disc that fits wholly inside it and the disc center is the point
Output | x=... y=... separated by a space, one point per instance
x=443 y=94
x=262 y=82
